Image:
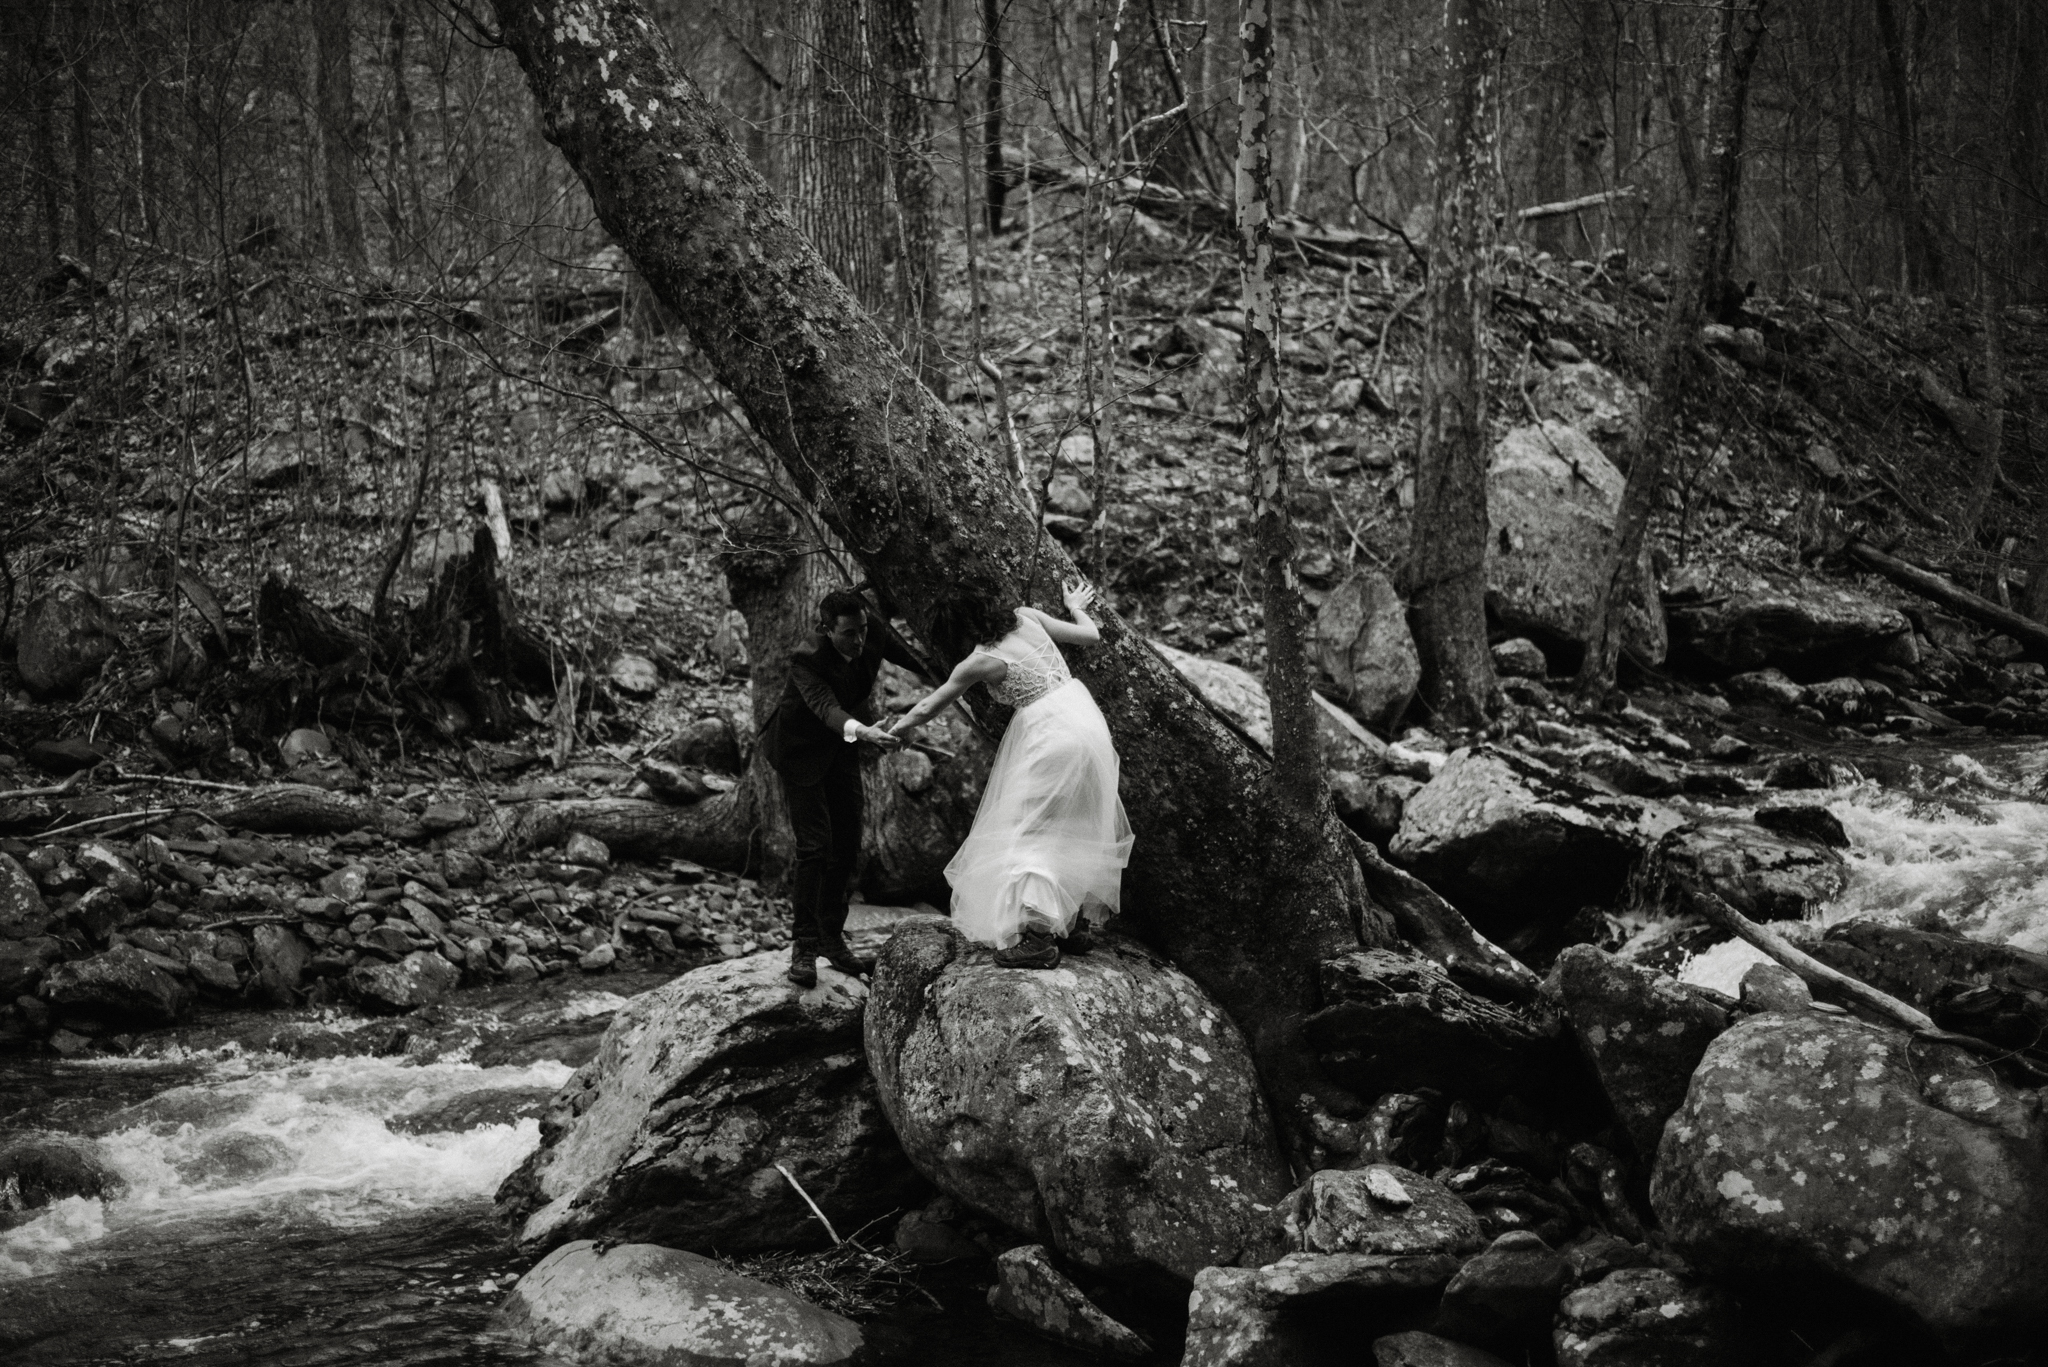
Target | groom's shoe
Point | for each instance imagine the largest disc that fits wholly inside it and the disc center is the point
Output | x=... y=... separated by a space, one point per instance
x=803 y=964
x=1077 y=941
x=1034 y=949
x=845 y=960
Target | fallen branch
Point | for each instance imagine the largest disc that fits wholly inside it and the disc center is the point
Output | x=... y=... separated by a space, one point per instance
x=120 y=776
x=1440 y=931
x=809 y=1202
x=133 y=818
x=54 y=790
x=302 y=809
x=1928 y=584
x=1572 y=206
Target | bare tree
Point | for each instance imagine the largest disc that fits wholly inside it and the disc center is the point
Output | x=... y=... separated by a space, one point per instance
x=1709 y=254
x=85 y=219
x=1446 y=571
x=335 y=103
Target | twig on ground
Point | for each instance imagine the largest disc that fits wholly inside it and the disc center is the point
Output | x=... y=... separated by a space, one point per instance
x=137 y=818
x=791 y=1178
x=54 y=790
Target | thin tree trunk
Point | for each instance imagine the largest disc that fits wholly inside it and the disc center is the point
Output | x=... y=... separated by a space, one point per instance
x=904 y=70
x=85 y=221
x=1674 y=105
x=1213 y=880
x=1447 y=543
x=49 y=173
x=1899 y=173
x=995 y=184
x=335 y=102
x=1991 y=398
x=1297 y=761
x=399 y=148
x=1709 y=250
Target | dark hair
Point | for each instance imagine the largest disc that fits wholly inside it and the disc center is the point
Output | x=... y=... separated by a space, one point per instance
x=841 y=603
x=963 y=619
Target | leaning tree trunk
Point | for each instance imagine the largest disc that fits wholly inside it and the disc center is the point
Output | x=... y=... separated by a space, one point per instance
x=1447 y=547
x=1247 y=913
x=1709 y=254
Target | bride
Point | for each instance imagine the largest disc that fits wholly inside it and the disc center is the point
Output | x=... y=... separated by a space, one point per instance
x=1050 y=838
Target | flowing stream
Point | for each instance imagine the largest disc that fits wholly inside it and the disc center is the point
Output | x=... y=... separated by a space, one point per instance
x=336 y=1210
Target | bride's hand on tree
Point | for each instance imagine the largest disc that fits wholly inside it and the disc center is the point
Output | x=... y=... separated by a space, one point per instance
x=1078 y=596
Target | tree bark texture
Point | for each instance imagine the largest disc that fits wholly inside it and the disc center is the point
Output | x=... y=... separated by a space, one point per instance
x=1297 y=758
x=1446 y=570
x=49 y=175
x=1213 y=880
x=85 y=219
x=1709 y=254
x=839 y=171
x=995 y=179
x=334 y=100
x=906 y=83
x=1898 y=171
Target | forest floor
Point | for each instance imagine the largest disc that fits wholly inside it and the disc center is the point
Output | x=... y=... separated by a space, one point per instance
x=343 y=432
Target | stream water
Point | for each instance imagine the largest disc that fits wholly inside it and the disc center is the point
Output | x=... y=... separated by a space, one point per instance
x=335 y=1210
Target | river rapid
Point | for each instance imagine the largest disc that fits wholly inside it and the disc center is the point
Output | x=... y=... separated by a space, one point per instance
x=319 y=1193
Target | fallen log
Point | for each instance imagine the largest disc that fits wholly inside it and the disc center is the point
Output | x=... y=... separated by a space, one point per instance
x=301 y=809
x=1930 y=585
x=717 y=832
x=1439 y=930
x=1572 y=206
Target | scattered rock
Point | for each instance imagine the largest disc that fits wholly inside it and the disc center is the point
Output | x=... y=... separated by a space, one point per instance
x=1642 y=1032
x=1550 y=500
x=635 y=675
x=112 y=871
x=125 y=985
x=1809 y=771
x=1817 y=824
x=1030 y=1289
x=929 y=1236
x=1348 y=1212
x=66 y=756
x=1417 y=1349
x=638 y=1303
x=1766 y=685
x=419 y=979
x=280 y=959
x=39 y=1169
x=699 y=1089
x=707 y=743
x=1995 y=992
x=1124 y=1127
x=1813 y=1148
x=1765 y=875
x=561 y=489
x=597 y=960
x=441 y=817
x=1774 y=987
x=1593 y=399
x=305 y=746
x=66 y=635
x=588 y=851
x=1520 y=658
x=23 y=914
x=1364 y=651
x=1505 y=1297
x=1274 y=1316
x=1648 y=1317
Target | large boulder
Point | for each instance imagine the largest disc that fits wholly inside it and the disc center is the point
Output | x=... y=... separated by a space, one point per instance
x=280 y=958
x=1509 y=839
x=1642 y=1032
x=1240 y=699
x=23 y=914
x=1106 y=1107
x=1307 y=1309
x=66 y=635
x=38 y=1169
x=124 y=986
x=1766 y=875
x=421 y=978
x=1551 y=496
x=1505 y=1297
x=1648 y=1317
x=1392 y=1020
x=1995 y=992
x=701 y=1092
x=1363 y=649
x=663 y=1307
x=1593 y=399
x=1380 y=1208
x=1742 y=619
x=1813 y=1150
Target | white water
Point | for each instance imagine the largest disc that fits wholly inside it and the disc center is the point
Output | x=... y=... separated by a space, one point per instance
x=1969 y=857
x=286 y=1143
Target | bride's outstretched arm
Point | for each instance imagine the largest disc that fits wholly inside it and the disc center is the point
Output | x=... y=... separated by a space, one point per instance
x=1082 y=631
x=976 y=668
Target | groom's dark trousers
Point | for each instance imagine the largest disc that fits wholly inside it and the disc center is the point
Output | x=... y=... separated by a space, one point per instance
x=820 y=771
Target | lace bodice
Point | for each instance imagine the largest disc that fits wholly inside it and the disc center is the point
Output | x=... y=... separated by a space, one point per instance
x=1036 y=666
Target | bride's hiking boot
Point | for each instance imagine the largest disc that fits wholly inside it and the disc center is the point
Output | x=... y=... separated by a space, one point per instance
x=845 y=960
x=1035 y=948
x=803 y=964
x=1078 y=941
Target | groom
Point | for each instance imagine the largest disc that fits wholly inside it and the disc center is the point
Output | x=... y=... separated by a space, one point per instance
x=812 y=741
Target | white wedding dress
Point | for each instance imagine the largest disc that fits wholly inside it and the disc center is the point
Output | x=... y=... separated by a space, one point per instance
x=1050 y=832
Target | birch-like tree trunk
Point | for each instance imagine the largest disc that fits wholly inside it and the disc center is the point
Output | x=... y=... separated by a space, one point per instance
x=1710 y=249
x=1296 y=758
x=1215 y=881
x=1446 y=573
x=840 y=178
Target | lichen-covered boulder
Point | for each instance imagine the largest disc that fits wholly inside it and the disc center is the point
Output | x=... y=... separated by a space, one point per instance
x=1510 y=839
x=1593 y=399
x=66 y=635
x=1820 y=1149
x=663 y=1307
x=1995 y=992
x=421 y=978
x=23 y=913
x=125 y=985
x=1642 y=1031
x=1551 y=496
x=1276 y=1315
x=1241 y=699
x=1106 y=1107
x=1764 y=874
x=1505 y=1297
x=1740 y=619
x=1380 y=1208
x=700 y=1088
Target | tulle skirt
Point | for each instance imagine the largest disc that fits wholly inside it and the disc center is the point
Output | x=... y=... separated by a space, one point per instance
x=1050 y=833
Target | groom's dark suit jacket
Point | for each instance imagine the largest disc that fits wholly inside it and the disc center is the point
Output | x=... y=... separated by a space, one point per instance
x=806 y=734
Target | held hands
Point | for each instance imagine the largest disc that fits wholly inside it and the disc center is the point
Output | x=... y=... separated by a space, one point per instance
x=876 y=735
x=1079 y=594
